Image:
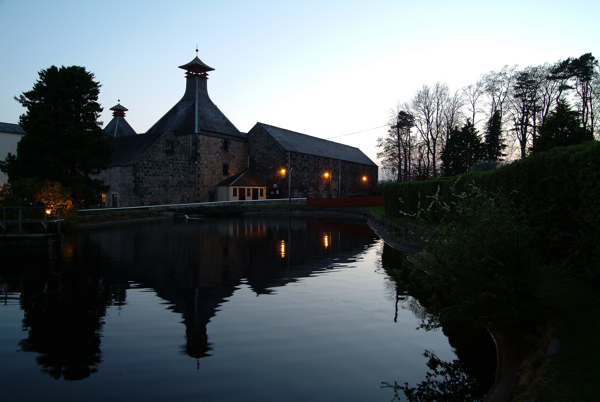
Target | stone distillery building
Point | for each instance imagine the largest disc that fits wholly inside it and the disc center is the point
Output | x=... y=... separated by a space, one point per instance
x=195 y=154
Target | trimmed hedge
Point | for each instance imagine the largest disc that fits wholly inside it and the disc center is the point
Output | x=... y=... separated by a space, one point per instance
x=558 y=190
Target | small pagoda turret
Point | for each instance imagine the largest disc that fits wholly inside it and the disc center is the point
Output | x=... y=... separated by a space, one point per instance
x=196 y=68
x=118 y=126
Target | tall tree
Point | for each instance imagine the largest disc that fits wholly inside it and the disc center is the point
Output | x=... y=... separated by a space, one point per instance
x=581 y=75
x=562 y=127
x=497 y=86
x=493 y=147
x=64 y=142
x=430 y=107
x=523 y=105
x=462 y=149
x=397 y=146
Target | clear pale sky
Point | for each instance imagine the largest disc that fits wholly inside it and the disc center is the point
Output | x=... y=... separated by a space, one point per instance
x=323 y=68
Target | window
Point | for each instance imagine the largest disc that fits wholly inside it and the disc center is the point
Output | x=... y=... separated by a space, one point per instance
x=169 y=148
x=114 y=200
x=249 y=192
x=225 y=145
x=262 y=192
x=235 y=191
x=226 y=169
x=103 y=200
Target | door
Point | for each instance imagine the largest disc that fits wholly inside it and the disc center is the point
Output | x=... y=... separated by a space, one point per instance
x=255 y=194
x=242 y=193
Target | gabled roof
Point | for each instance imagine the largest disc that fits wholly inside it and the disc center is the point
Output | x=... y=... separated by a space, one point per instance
x=11 y=128
x=243 y=179
x=130 y=148
x=306 y=144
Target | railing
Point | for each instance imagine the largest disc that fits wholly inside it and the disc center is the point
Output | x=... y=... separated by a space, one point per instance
x=47 y=212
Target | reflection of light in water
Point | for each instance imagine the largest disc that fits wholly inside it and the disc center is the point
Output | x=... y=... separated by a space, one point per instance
x=282 y=248
x=326 y=241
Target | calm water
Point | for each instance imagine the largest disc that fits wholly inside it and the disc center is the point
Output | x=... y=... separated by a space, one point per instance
x=254 y=309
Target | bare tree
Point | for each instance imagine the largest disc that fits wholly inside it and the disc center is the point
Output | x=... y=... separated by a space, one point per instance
x=431 y=111
x=472 y=97
x=497 y=86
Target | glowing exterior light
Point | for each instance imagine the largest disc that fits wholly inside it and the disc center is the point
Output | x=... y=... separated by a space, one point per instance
x=326 y=241
x=282 y=248
x=48 y=211
x=364 y=178
x=326 y=175
x=282 y=171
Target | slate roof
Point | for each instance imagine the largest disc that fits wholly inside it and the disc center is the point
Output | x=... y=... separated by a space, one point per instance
x=306 y=144
x=243 y=179
x=11 y=128
x=130 y=148
x=196 y=113
x=118 y=127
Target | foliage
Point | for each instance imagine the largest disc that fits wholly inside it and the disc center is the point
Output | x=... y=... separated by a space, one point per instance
x=483 y=166
x=493 y=146
x=444 y=382
x=561 y=128
x=396 y=148
x=463 y=147
x=478 y=264
x=34 y=190
x=558 y=192
x=64 y=142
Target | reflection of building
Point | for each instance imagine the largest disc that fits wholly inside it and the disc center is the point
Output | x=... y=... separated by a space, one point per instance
x=198 y=265
x=10 y=135
x=194 y=154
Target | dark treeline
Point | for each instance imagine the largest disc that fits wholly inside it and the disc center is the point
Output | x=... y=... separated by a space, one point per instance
x=506 y=114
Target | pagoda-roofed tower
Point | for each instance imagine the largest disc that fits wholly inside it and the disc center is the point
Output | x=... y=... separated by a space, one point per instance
x=195 y=112
x=118 y=126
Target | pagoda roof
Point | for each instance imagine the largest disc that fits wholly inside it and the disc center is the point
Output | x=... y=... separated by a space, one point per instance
x=119 y=108
x=196 y=66
x=195 y=112
x=118 y=126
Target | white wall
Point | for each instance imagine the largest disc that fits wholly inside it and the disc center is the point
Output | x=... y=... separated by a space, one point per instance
x=8 y=143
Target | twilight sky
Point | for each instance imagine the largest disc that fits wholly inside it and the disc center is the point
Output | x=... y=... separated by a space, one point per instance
x=325 y=68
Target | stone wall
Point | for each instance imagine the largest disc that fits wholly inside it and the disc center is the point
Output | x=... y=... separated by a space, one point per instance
x=176 y=170
x=165 y=173
x=267 y=158
x=213 y=152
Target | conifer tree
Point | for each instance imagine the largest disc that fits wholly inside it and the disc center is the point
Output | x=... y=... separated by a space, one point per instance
x=65 y=142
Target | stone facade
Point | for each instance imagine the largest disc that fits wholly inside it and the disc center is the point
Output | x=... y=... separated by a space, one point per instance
x=311 y=175
x=218 y=159
x=175 y=170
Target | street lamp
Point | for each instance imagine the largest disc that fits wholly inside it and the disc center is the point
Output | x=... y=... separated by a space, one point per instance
x=283 y=172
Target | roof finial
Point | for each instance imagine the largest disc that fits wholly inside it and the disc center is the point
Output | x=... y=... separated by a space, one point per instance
x=196 y=50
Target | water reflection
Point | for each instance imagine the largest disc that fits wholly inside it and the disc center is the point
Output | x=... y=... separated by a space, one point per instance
x=63 y=319
x=194 y=265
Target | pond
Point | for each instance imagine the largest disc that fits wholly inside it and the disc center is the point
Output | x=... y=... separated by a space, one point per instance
x=261 y=309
